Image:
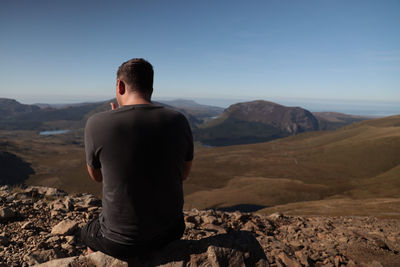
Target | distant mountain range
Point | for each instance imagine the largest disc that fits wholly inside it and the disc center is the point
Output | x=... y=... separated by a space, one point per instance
x=241 y=123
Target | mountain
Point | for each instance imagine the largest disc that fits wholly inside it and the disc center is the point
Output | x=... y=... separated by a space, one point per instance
x=256 y=121
x=17 y=116
x=335 y=120
x=241 y=123
x=11 y=107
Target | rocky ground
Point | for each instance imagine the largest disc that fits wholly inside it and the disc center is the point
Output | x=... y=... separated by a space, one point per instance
x=38 y=224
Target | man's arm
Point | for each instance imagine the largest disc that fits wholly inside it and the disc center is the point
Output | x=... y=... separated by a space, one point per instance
x=95 y=174
x=186 y=170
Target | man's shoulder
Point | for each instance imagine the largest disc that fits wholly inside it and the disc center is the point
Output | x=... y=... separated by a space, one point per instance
x=98 y=117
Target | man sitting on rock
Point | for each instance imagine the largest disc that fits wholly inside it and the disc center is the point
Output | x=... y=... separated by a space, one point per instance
x=141 y=152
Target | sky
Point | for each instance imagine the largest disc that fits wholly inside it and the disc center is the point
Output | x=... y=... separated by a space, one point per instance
x=303 y=51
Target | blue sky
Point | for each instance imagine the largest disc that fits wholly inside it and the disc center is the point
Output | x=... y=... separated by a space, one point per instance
x=68 y=51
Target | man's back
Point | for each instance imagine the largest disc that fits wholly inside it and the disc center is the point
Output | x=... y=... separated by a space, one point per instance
x=141 y=150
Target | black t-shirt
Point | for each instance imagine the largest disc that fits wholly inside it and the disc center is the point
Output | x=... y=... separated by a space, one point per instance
x=141 y=150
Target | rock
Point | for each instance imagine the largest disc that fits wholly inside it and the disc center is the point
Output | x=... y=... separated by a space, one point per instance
x=193 y=219
x=209 y=238
x=48 y=191
x=70 y=239
x=288 y=261
x=88 y=200
x=68 y=203
x=7 y=214
x=275 y=216
x=302 y=258
x=37 y=257
x=27 y=225
x=60 y=262
x=216 y=228
x=58 y=205
x=190 y=225
x=4 y=188
x=250 y=226
x=66 y=227
x=208 y=219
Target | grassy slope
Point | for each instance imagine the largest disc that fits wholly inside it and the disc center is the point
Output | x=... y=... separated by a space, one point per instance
x=56 y=162
x=358 y=161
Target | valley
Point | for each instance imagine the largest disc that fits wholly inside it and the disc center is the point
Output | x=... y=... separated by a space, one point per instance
x=350 y=171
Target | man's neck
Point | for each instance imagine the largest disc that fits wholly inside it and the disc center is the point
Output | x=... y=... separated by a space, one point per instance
x=135 y=99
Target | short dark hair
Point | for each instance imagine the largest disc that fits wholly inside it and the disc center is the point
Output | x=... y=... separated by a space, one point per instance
x=138 y=73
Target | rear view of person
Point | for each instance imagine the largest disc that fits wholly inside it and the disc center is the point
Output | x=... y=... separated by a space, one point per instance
x=141 y=152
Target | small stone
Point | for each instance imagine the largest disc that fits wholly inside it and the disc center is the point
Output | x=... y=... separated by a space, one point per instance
x=250 y=226
x=68 y=203
x=53 y=239
x=275 y=216
x=207 y=219
x=190 y=225
x=296 y=245
x=216 y=228
x=27 y=225
x=193 y=219
x=288 y=261
x=58 y=206
x=66 y=246
x=302 y=258
x=70 y=239
x=54 y=213
x=39 y=204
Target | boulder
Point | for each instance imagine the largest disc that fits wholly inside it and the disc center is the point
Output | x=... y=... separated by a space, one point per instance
x=66 y=227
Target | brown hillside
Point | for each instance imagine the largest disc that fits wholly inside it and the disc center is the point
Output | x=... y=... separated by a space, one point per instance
x=359 y=161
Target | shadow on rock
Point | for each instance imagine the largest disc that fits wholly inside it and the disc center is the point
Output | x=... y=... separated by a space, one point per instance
x=236 y=248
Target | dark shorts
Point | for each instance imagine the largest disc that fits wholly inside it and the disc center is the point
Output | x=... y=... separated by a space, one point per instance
x=92 y=237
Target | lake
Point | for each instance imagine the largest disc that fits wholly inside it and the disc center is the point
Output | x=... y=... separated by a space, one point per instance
x=53 y=132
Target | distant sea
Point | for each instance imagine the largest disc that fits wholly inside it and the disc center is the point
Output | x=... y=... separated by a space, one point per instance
x=355 y=108
x=361 y=108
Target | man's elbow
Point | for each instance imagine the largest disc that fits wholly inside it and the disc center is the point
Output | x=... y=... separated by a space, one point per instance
x=186 y=170
x=95 y=174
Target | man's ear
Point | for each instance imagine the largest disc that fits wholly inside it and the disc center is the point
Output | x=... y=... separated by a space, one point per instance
x=121 y=87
